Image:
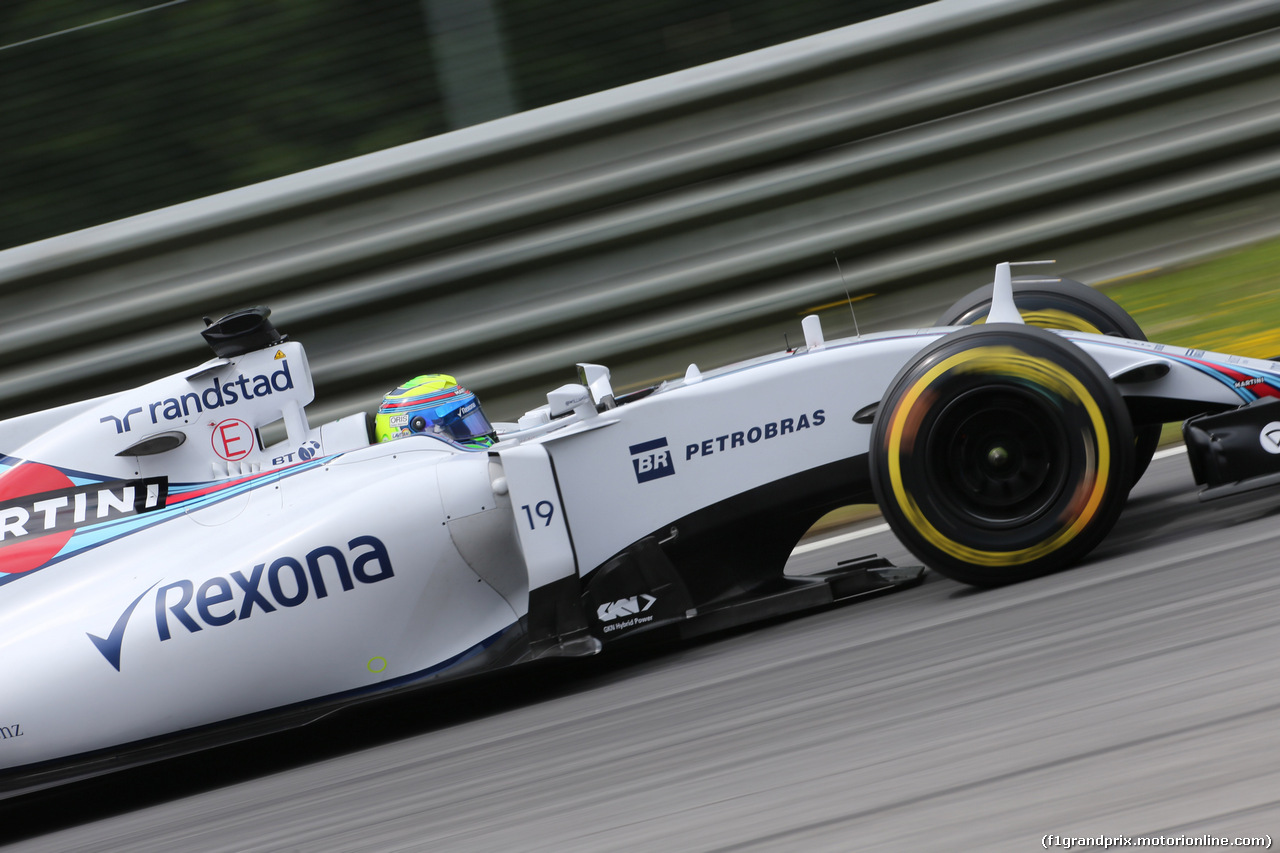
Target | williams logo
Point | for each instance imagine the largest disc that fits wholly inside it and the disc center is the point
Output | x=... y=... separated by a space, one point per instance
x=288 y=583
x=1270 y=437
x=651 y=460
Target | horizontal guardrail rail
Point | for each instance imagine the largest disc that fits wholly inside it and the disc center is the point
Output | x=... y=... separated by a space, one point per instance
x=918 y=146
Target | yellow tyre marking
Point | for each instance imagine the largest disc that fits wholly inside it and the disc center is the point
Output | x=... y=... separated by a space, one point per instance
x=1054 y=318
x=1004 y=361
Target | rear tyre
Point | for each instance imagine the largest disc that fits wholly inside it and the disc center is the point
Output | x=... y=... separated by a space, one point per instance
x=1063 y=303
x=1001 y=453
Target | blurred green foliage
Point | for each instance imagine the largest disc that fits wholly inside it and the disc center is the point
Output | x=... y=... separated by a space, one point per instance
x=1226 y=303
x=110 y=108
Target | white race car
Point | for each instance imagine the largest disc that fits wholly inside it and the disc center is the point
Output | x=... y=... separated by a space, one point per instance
x=167 y=581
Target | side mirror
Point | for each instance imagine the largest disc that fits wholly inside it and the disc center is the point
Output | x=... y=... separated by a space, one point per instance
x=596 y=378
x=571 y=398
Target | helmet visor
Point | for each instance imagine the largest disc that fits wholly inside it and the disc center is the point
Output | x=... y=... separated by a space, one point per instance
x=466 y=422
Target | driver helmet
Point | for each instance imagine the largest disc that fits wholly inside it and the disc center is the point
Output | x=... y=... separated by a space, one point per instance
x=434 y=404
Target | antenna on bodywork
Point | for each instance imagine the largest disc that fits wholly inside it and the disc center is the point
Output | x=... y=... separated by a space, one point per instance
x=1003 y=309
x=856 y=332
x=1027 y=280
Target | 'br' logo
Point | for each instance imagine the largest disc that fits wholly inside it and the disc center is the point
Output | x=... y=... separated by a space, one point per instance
x=652 y=460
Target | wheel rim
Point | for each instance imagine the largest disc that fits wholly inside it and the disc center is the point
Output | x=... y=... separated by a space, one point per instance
x=999 y=457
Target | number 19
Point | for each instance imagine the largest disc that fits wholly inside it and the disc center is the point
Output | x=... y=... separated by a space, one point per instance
x=542 y=509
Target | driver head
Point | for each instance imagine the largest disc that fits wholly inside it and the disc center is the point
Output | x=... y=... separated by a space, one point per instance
x=434 y=404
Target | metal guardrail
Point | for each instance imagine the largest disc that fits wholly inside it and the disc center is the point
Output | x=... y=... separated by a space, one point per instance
x=918 y=145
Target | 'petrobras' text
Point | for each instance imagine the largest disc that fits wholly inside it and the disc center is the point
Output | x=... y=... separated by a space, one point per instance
x=214 y=396
x=764 y=432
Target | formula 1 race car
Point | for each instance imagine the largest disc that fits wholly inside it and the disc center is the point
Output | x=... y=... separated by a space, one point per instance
x=169 y=580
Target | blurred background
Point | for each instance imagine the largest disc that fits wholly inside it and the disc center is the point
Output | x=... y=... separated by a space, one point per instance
x=108 y=109
x=501 y=188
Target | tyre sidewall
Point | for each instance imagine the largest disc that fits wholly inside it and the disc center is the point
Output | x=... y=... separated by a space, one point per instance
x=1063 y=303
x=1004 y=385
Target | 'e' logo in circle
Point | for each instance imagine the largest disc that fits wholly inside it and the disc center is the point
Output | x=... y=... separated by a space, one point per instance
x=1270 y=437
x=233 y=439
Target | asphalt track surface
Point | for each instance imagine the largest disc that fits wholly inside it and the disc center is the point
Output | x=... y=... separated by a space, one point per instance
x=1138 y=694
